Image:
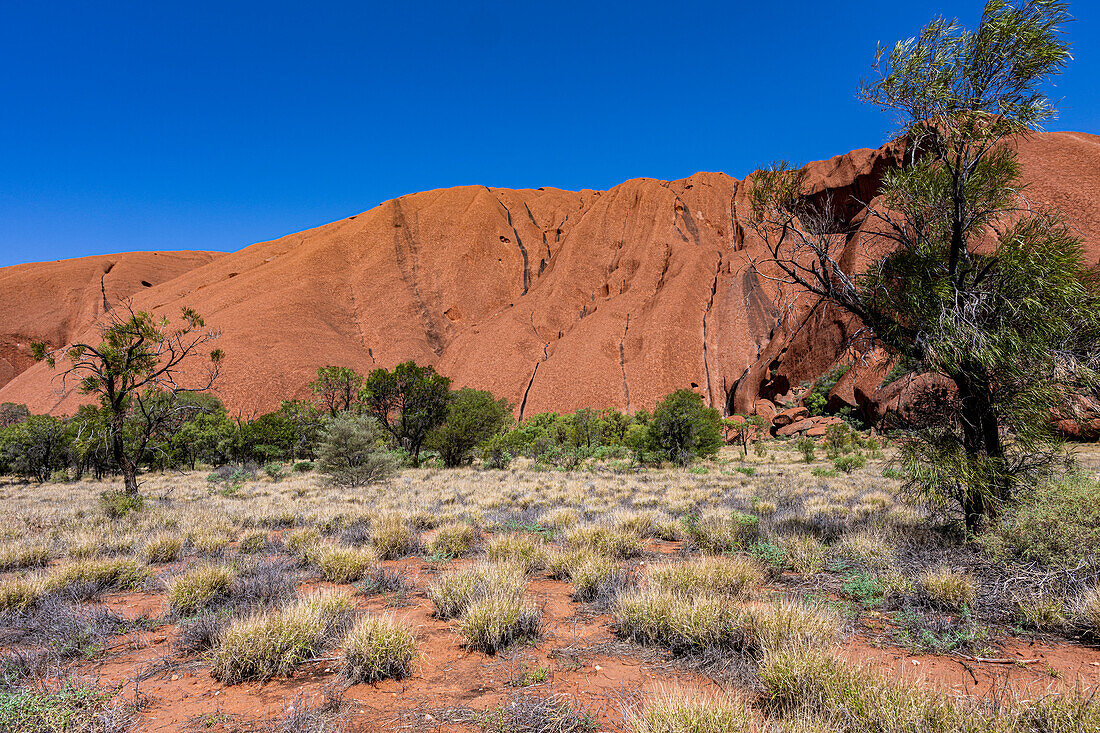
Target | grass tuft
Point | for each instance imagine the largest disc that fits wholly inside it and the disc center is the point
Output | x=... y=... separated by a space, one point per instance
x=342 y=564
x=454 y=592
x=681 y=712
x=198 y=587
x=378 y=648
x=736 y=577
x=499 y=620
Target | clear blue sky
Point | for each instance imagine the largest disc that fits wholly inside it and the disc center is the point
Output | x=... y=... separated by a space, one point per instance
x=200 y=125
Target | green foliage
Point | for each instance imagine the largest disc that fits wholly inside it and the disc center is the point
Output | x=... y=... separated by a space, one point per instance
x=69 y=707
x=34 y=447
x=352 y=451
x=408 y=402
x=850 y=463
x=806 y=446
x=1056 y=523
x=116 y=504
x=972 y=285
x=473 y=418
x=818 y=398
x=336 y=389
x=683 y=428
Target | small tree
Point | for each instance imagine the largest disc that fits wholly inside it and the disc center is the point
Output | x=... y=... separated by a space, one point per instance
x=337 y=389
x=11 y=413
x=968 y=280
x=744 y=429
x=473 y=417
x=683 y=427
x=137 y=368
x=35 y=447
x=409 y=402
x=352 y=450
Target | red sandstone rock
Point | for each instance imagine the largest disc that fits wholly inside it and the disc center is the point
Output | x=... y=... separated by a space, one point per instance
x=554 y=299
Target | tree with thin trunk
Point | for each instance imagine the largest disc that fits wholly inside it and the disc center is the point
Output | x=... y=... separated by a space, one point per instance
x=409 y=402
x=337 y=388
x=968 y=279
x=137 y=371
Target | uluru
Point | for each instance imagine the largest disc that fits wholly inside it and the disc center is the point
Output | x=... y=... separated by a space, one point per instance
x=554 y=299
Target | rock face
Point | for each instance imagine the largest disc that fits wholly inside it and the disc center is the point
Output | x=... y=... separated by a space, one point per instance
x=56 y=301
x=554 y=299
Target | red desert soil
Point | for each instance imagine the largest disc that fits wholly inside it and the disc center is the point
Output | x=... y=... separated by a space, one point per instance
x=554 y=299
x=586 y=663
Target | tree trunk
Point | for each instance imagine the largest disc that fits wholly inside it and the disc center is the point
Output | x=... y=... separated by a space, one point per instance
x=982 y=443
x=129 y=470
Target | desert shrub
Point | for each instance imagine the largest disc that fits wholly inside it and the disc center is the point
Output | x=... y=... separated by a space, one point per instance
x=89 y=577
x=523 y=550
x=393 y=538
x=63 y=707
x=116 y=504
x=453 y=539
x=455 y=591
x=678 y=712
x=683 y=428
x=803 y=553
x=535 y=714
x=497 y=620
x=806 y=446
x=849 y=463
x=20 y=593
x=198 y=587
x=605 y=541
x=342 y=564
x=272 y=643
x=352 y=451
x=736 y=577
x=1040 y=611
x=201 y=633
x=473 y=418
x=377 y=649
x=1056 y=523
x=949 y=589
x=23 y=555
x=162 y=548
x=263 y=584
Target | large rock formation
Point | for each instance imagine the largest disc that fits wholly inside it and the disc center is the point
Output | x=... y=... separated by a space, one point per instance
x=56 y=301
x=554 y=299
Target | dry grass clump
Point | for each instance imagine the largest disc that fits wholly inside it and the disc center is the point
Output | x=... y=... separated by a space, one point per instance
x=341 y=564
x=949 y=589
x=1041 y=611
x=272 y=643
x=1089 y=611
x=212 y=542
x=591 y=574
x=497 y=620
x=452 y=539
x=252 y=542
x=681 y=712
x=737 y=576
x=705 y=621
x=25 y=555
x=378 y=648
x=300 y=541
x=21 y=593
x=560 y=561
x=455 y=591
x=162 y=548
x=392 y=538
x=804 y=553
x=614 y=543
x=198 y=587
x=865 y=548
x=818 y=692
x=524 y=550
x=94 y=576
x=716 y=534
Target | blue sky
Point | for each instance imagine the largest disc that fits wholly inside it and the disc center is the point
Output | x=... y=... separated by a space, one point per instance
x=130 y=126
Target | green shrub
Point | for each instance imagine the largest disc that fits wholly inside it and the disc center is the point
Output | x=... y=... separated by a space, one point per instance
x=473 y=418
x=116 y=504
x=683 y=428
x=806 y=446
x=352 y=451
x=1056 y=523
x=377 y=649
x=849 y=463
